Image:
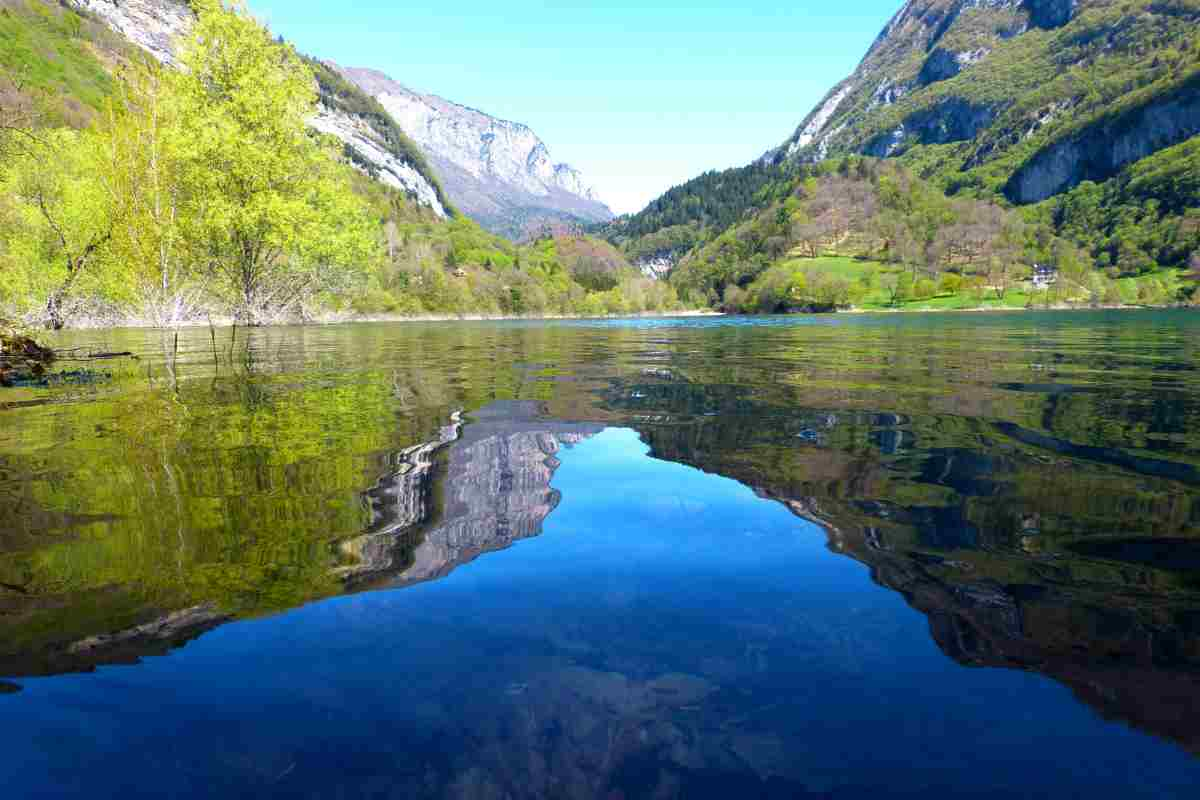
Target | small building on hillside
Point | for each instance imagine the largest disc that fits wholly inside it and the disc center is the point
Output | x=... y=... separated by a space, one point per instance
x=1044 y=276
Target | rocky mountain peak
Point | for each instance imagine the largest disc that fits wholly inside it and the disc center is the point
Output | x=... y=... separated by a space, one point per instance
x=1027 y=97
x=925 y=43
x=497 y=171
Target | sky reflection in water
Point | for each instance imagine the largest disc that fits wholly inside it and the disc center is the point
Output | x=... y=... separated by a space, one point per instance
x=668 y=629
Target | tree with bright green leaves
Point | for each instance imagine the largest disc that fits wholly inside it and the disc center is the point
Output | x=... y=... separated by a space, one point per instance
x=900 y=287
x=950 y=283
x=143 y=128
x=267 y=201
x=65 y=216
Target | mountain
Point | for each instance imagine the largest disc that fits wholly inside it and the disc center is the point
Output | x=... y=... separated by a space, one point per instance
x=1025 y=98
x=498 y=172
x=1082 y=114
x=372 y=140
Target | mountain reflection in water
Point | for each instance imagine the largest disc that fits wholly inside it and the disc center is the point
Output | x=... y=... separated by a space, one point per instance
x=614 y=563
x=495 y=490
x=998 y=590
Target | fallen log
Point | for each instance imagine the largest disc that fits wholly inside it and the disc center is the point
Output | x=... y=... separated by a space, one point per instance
x=21 y=358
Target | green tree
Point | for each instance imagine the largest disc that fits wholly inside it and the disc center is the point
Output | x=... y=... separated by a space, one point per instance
x=67 y=215
x=900 y=287
x=144 y=135
x=268 y=200
x=951 y=283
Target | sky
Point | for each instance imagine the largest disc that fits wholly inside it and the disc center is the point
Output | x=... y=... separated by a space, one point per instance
x=639 y=97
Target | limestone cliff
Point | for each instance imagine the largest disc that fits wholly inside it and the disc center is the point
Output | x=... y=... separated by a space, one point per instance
x=496 y=171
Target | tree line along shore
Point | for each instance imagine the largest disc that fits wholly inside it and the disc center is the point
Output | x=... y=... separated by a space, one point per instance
x=175 y=195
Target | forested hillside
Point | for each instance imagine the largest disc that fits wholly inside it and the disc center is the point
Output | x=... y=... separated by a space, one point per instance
x=131 y=190
x=687 y=214
x=1079 y=118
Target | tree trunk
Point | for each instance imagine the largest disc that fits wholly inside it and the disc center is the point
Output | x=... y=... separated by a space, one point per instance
x=54 y=314
x=56 y=318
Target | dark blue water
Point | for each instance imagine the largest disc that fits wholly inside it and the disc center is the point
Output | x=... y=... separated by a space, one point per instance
x=669 y=633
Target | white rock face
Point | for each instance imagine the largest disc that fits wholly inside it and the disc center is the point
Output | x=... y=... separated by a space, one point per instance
x=153 y=25
x=490 y=167
x=658 y=268
x=391 y=171
x=818 y=119
x=157 y=27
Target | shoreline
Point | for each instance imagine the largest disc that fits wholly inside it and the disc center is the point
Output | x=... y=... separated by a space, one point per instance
x=351 y=319
x=341 y=319
x=1017 y=309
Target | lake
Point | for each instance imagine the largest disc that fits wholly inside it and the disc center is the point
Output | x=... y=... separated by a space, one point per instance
x=855 y=556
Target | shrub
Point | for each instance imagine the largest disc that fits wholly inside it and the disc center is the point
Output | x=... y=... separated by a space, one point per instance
x=925 y=289
x=951 y=283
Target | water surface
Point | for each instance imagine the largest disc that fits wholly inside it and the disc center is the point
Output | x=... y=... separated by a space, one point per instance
x=821 y=557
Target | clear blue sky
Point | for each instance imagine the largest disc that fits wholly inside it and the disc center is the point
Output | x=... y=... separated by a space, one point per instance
x=638 y=96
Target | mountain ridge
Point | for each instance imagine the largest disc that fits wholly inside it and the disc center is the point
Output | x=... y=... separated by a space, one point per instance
x=979 y=90
x=498 y=171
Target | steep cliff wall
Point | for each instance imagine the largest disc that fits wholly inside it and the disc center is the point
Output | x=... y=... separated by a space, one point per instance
x=1100 y=150
x=498 y=172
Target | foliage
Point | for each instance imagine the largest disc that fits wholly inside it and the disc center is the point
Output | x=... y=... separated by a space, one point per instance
x=203 y=191
x=433 y=266
x=1146 y=216
x=267 y=200
x=63 y=221
x=685 y=214
x=869 y=209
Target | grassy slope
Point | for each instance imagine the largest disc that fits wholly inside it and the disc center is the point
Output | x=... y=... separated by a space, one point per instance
x=59 y=56
x=851 y=268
